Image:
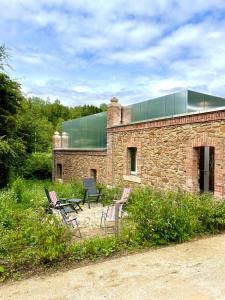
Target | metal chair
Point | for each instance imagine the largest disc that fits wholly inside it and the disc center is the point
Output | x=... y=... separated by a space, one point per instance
x=90 y=190
x=114 y=212
x=70 y=221
x=69 y=205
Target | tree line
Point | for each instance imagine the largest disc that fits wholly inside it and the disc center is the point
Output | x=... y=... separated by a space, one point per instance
x=27 y=124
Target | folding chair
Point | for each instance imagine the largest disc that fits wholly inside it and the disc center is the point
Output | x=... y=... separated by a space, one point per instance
x=55 y=203
x=90 y=190
x=72 y=222
x=109 y=215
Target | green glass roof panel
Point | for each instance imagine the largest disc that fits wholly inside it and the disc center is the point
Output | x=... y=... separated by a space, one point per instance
x=199 y=102
x=164 y=106
x=87 y=132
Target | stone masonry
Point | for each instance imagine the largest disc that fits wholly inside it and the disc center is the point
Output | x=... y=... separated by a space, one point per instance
x=166 y=151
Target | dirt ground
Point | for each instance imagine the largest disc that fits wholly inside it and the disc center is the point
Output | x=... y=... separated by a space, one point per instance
x=194 y=270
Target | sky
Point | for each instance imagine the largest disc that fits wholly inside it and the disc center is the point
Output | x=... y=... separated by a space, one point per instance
x=86 y=52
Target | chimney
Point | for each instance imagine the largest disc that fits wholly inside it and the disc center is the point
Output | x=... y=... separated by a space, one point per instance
x=114 y=113
x=56 y=140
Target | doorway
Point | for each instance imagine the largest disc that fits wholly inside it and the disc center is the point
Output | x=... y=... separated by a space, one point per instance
x=206 y=158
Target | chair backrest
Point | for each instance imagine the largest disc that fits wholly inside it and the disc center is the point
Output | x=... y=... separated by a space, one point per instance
x=125 y=194
x=90 y=185
x=53 y=197
x=47 y=195
x=111 y=212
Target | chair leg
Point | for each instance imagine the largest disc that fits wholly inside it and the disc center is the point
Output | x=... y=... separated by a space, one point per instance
x=79 y=206
x=80 y=236
x=101 y=219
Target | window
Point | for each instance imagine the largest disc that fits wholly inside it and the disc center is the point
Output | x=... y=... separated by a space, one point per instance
x=132 y=158
x=59 y=170
x=206 y=168
x=94 y=173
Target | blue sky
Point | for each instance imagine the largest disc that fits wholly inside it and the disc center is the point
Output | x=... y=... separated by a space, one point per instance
x=85 y=52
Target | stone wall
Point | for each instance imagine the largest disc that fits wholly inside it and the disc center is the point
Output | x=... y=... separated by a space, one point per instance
x=78 y=164
x=165 y=151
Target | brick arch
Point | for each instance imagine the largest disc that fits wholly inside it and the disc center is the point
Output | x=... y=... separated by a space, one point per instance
x=93 y=167
x=191 y=163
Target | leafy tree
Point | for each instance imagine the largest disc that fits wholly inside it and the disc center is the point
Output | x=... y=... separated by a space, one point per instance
x=34 y=129
x=11 y=146
x=10 y=100
x=103 y=107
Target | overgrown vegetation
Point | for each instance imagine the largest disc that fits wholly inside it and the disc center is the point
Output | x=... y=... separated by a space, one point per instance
x=31 y=238
x=165 y=217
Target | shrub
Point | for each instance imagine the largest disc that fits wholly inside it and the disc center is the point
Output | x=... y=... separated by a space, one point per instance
x=38 y=165
x=164 y=217
x=94 y=248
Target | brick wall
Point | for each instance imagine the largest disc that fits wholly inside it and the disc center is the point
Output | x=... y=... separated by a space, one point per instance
x=78 y=164
x=166 y=151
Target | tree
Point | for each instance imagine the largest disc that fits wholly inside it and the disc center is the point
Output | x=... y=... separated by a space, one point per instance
x=11 y=146
x=10 y=100
x=103 y=107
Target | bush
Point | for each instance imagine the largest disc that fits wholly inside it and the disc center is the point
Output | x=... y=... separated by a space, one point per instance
x=29 y=236
x=164 y=217
x=38 y=165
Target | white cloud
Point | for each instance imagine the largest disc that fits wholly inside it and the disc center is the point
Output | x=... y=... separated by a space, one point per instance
x=98 y=49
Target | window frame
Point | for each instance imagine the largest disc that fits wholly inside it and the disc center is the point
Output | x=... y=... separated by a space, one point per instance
x=132 y=160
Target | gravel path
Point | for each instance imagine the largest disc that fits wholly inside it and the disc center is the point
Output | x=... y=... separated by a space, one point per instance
x=194 y=270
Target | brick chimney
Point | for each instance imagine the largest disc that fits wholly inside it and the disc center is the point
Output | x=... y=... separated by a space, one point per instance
x=114 y=113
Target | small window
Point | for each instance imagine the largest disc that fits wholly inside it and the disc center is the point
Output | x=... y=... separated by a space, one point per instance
x=132 y=156
x=59 y=170
x=94 y=173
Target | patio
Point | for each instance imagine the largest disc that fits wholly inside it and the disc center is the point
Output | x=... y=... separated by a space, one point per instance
x=89 y=220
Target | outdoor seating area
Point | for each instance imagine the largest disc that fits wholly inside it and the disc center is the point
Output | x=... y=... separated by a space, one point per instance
x=89 y=220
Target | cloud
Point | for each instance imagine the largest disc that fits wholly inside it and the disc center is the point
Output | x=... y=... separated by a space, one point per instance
x=88 y=51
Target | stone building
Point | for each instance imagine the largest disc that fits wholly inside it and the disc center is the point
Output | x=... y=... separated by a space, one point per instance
x=171 y=142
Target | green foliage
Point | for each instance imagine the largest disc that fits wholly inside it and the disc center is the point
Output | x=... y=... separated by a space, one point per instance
x=30 y=238
x=11 y=147
x=10 y=100
x=95 y=248
x=38 y=165
x=164 y=217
